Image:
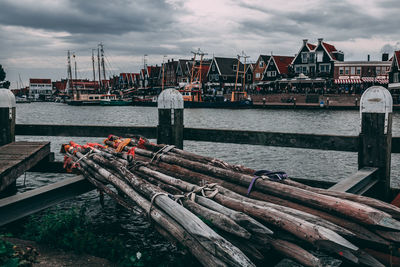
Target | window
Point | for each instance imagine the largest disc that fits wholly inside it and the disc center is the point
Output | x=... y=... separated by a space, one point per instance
x=353 y=71
x=311 y=58
x=257 y=75
x=320 y=56
x=378 y=70
x=358 y=70
x=304 y=57
x=234 y=67
x=396 y=77
x=341 y=70
x=298 y=69
x=224 y=77
x=248 y=76
x=273 y=73
x=322 y=68
x=304 y=70
x=347 y=71
x=261 y=64
x=213 y=67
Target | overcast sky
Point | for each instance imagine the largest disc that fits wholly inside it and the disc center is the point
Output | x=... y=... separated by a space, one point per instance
x=36 y=34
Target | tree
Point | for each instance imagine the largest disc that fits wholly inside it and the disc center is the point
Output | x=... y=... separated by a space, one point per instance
x=3 y=83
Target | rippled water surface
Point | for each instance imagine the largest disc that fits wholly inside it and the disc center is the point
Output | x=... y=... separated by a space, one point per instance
x=314 y=164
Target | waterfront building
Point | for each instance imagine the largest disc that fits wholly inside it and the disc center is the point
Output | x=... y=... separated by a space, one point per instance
x=40 y=89
x=278 y=67
x=170 y=75
x=316 y=60
x=128 y=80
x=355 y=76
x=222 y=74
x=394 y=73
x=183 y=71
x=259 y=68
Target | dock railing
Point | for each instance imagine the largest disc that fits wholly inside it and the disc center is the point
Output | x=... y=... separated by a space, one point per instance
x=374 y=144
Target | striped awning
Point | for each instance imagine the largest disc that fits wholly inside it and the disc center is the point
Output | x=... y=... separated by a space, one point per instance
x=382 y=81
x=368 y=79
x=348 y=81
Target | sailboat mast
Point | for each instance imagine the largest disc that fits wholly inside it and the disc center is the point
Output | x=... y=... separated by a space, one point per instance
x=237 y=72
x=94 y=71
x=98 y=64
x=244 y=70
x=69 y=70
x=102 y=61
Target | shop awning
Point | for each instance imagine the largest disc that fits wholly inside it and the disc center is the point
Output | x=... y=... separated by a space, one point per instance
x=368 y=79
x=382 y=81
x=348 y=81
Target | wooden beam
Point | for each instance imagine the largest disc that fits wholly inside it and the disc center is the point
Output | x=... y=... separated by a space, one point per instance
x=21 y=205
x=310 y=141
x=83 y=130
x=358 y=183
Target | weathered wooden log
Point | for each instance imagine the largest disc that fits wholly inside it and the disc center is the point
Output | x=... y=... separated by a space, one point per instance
x=295 y=252
x=208 y=238
x=301 y=228
x=200 y=179
x=358 y=212
x=203 y=255
x=375 y=203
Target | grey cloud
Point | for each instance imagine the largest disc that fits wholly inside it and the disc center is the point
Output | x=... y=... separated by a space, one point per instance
x=89 y=17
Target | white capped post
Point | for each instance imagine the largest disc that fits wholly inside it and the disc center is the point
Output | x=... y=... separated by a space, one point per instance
x=7 y=116
x=170 y=118
x=375 y=139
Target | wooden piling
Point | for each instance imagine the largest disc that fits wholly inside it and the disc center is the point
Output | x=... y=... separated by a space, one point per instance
x=375 y=139
x=170 y=118
x=7 y=117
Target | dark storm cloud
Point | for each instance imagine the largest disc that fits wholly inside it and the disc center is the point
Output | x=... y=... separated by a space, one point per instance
x=89 y=17
x=335 y=20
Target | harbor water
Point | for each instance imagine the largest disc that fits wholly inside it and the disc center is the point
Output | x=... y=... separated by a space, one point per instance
x=134 y=228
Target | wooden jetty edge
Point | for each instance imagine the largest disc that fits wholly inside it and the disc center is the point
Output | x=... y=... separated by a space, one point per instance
x=256 y=214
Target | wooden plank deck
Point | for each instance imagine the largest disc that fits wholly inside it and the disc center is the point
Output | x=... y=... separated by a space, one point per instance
x=18 y=157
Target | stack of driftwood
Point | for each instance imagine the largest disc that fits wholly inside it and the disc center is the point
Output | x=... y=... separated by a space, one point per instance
x=230 y=215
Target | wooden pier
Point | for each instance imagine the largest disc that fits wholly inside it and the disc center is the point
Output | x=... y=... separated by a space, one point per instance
x=18 y=157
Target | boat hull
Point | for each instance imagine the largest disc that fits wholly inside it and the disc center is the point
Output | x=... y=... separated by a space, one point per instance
x=115 y=103
x=193 y=104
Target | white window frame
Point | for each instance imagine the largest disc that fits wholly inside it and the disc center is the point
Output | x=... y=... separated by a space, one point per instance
x=320 y=56
x=258 y=75
x=341 y=70
x=304 y=57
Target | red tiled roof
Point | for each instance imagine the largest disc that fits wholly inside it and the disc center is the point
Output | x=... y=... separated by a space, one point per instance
x=397 y=54
x=282 y=63
x=40 y=80
x=311 y=46
x=329 y=48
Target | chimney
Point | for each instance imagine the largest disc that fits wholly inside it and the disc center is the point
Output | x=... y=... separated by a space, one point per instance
x=368 y=58
x=168 y=60
x=320 y=41
x=305 y=41
x=385 y=56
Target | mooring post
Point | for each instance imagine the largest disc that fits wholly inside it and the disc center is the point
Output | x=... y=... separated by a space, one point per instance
x=7 y=117
x=170 y=118
x=375 y=139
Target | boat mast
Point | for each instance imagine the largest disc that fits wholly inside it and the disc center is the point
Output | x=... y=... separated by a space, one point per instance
x=237 y=71
x=94 y=71
x=98 y=65
x=103 y=65
x=244 y=70
x=163 y=70
x=69 y=70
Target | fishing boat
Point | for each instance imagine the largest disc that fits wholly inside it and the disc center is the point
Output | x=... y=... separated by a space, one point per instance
x=115 y=102
x=194 y=96
x=87 y=99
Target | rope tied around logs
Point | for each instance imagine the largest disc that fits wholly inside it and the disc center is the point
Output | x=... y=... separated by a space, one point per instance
x=152 y=202
x=203 y=190
x=160 y=152
x=265 y=174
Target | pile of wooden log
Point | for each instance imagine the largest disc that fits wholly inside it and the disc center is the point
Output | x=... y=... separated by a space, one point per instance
x=230 y=215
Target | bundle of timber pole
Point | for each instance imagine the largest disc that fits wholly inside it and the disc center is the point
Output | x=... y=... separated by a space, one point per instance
x=230 y=215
